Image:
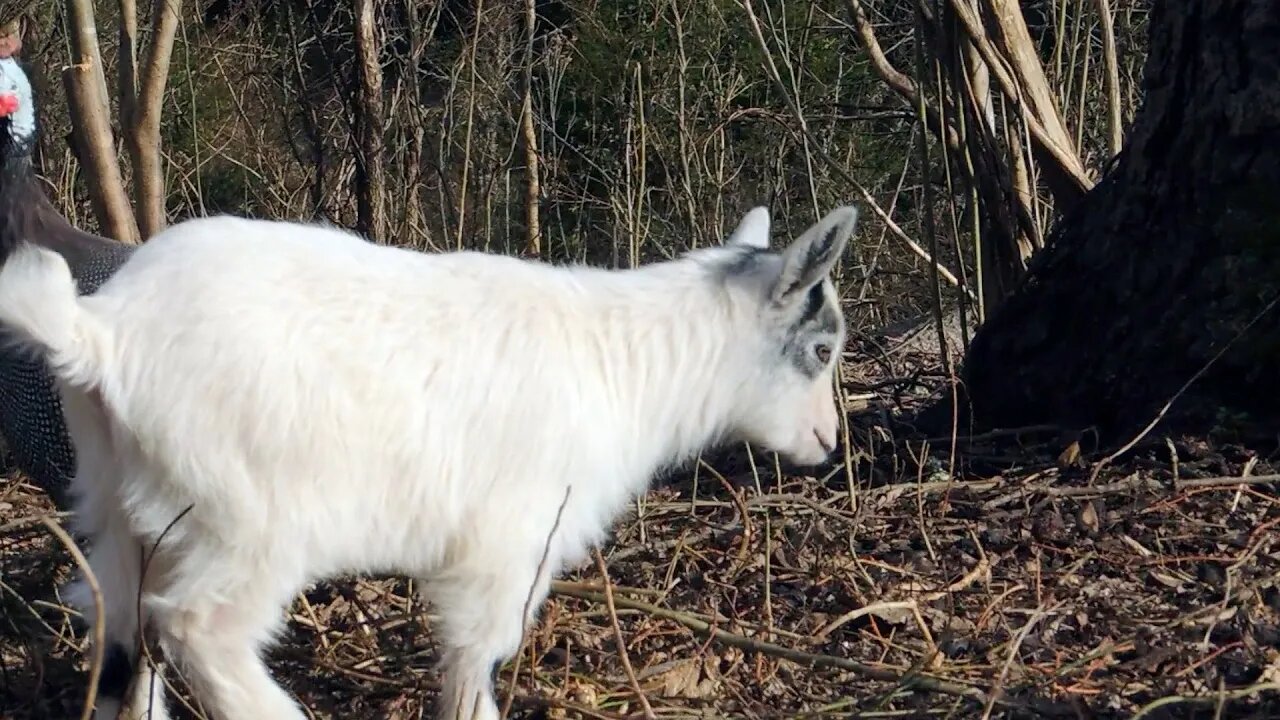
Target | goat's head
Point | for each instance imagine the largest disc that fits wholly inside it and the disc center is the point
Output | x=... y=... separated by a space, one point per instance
x=797 y=332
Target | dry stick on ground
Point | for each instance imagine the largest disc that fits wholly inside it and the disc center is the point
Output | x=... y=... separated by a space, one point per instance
x=621 y=641
x=584 y=590
x=99 y=625
x=30 y=520
x=805 y=659
x=738 y=503
x=1225 y=481
x=1217 y=697
x=979 y=570
x=524 y=618
x=997 y=690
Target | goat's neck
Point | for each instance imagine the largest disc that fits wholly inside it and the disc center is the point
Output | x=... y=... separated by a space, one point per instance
x=668 y=338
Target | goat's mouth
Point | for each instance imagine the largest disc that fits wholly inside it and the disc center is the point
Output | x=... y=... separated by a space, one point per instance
x=9 y=104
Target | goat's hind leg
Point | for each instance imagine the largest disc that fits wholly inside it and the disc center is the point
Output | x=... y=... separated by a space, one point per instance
x=127 y=687
x=213 y=628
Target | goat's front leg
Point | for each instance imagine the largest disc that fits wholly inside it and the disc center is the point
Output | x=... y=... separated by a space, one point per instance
x=482 y=609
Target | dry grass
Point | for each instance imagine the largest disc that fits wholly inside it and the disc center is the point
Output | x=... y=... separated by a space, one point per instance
x=1017 y=592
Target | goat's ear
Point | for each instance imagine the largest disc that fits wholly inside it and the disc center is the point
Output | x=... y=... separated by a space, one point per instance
x=752 y=230
x=812 y=255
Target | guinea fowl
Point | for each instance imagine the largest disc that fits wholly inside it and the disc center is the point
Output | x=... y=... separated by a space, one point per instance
x=31 y=420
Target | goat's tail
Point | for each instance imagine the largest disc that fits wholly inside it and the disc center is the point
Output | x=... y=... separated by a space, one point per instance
x=40 y=311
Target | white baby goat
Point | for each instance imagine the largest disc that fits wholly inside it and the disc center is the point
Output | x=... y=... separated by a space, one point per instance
x=326 y=406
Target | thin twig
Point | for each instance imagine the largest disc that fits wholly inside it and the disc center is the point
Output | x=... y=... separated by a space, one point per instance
x=32 y=520
x=622 y=643
x=805 y=659
x=996 y=691
x=1225 y=481
x=524 y=618
x=1205 y=699
x=99 y=623
x=979 y=570
x=817 y=149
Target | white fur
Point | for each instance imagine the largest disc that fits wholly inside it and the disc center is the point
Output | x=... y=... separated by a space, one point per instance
x=324 y=405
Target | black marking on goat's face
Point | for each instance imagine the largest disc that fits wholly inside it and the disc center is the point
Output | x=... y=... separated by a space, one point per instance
x=810 y=341
x=117 y=671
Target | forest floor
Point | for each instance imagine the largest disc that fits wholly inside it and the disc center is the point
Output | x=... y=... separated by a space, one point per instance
x=893 y=588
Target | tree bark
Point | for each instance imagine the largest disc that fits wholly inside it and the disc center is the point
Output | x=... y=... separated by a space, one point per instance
x=143 y=119
x=1166 y=261
x=86 y=87
x=370 y=178
x=529 y=139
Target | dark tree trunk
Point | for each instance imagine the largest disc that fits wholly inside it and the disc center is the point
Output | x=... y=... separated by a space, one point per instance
x=1166 y=260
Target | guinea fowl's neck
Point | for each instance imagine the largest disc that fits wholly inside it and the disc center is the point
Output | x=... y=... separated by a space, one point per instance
x=26 y=214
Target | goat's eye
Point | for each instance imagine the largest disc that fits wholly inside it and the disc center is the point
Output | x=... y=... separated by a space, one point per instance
x=823 y=351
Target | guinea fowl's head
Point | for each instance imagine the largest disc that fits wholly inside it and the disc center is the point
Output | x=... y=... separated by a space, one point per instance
x=17 y=113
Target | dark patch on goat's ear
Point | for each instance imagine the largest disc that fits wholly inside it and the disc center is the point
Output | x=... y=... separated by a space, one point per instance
x=117 y=671
x=814 y=256
x=806 y=271
x=813 y=304
x=810 y=258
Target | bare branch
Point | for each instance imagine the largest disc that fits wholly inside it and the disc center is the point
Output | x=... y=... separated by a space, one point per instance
x=99 y=612
x=370 y=190
x=899 y=81
x=1115 y=131
x=87 y=95
x=127 y=61
x=835 y=166
x=1066 y=175
x=533 y=232
x=144 y=130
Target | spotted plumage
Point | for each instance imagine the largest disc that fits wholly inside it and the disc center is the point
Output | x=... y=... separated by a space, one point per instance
x=31 y=421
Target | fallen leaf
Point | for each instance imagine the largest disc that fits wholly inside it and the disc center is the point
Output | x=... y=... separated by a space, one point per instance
x=691 y=678
x=1089 y=516
x=1070 y=455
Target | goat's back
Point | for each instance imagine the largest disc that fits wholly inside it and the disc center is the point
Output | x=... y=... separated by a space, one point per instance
x=279 y=375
